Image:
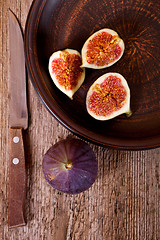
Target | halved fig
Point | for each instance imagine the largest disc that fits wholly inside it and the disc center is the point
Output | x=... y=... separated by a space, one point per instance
x=102 y=49
x=66 y=71
x=108 y=97
x=70 y=166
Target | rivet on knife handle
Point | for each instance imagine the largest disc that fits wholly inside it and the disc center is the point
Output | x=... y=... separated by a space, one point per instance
x=17 y=179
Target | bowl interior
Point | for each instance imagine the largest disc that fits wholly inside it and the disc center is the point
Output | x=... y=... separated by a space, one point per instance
x=56 y=25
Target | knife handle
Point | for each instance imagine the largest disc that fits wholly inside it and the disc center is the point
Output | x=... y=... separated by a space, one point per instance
x=17 y=179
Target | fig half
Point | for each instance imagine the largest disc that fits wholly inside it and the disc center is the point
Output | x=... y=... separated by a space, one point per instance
x=108 y=97
x=102 y=49
x=66 y=71
x=70 y=166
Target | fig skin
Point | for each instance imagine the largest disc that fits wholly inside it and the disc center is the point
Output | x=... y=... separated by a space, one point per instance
x=102 y=49
x=67 y=71
x=108 y=97
x=70 y=166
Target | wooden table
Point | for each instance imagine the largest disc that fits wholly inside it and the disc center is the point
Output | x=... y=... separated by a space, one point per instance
x=124 y=202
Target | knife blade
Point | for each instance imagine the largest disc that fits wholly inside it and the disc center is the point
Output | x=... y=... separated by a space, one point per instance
x=18 y=121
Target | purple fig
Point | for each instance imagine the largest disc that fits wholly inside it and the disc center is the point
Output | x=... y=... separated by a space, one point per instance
x=70 y=166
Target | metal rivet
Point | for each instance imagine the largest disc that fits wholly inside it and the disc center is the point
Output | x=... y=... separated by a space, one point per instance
x=15 y=161
x=16 y=139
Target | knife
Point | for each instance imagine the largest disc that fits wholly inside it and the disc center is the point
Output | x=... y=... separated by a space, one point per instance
x=18 y=121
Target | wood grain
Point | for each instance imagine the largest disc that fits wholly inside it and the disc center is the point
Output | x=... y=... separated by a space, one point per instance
x=124 y=202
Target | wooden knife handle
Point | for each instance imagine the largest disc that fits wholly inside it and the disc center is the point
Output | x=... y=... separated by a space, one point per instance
x=17 y=179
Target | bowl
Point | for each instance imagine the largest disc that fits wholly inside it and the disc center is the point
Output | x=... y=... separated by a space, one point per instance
x=57 y=25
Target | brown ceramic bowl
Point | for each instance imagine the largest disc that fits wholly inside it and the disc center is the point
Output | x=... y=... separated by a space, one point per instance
x=59 y=24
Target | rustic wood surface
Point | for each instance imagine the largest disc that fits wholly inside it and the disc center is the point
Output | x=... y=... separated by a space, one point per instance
x=124 y=202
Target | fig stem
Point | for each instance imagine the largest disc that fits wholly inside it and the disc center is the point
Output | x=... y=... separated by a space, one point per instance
x=129 y=113
x=68 y=165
